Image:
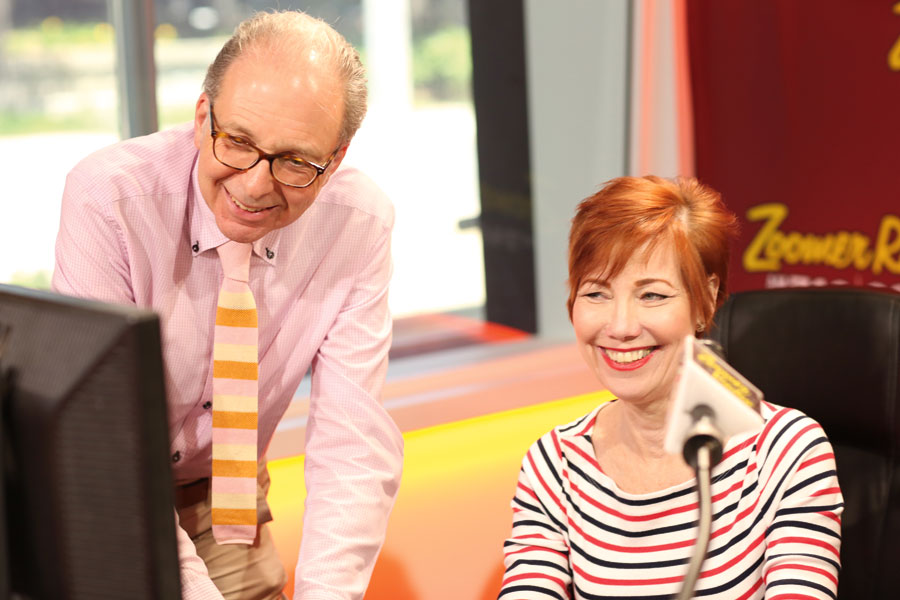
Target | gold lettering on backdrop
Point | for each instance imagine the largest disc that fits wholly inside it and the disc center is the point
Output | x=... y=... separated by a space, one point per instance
x=773 y=247
x=894 y=53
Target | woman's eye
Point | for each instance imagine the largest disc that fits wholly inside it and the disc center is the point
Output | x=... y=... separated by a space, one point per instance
x=595 y=295
x=653 y=296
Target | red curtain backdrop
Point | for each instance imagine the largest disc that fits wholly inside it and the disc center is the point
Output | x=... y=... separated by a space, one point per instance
x=797 y=123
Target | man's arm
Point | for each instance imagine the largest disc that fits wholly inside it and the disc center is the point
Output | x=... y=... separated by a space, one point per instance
x=91 y=258
x=354 y=450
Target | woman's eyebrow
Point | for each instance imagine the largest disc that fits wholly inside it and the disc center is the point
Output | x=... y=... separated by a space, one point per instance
x=649 y=280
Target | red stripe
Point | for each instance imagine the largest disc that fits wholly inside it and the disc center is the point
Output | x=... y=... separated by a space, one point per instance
x=633 y=518
x=589 y=426
x=769 y=425
x=590 y=458
x=536 y=548
x=544 y=483
x=807 y=541
x=817 y=459
x=736 y=559
x=527 y=490
x=555 y=438
x=751 y=591
x=739 y=447
x=625 y=582
x=631 y=549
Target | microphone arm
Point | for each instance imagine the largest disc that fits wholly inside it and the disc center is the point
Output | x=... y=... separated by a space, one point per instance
x=702 y=451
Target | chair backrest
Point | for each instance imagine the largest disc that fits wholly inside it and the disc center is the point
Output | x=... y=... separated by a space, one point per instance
x=835 y=355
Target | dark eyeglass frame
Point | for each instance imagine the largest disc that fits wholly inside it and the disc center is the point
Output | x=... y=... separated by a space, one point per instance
x=270 y=158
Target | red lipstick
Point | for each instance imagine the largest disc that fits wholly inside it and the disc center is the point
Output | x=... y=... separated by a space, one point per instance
x=626 y=366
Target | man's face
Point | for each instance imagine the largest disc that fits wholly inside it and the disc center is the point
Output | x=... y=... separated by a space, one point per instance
x=279 y=104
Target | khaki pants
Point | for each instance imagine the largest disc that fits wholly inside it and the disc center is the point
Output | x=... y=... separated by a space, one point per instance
x=241 y=572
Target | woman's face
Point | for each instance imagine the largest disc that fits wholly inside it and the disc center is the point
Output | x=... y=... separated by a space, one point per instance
x=630 y=328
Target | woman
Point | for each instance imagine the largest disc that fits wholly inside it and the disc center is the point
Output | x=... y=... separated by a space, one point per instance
x=601 y=510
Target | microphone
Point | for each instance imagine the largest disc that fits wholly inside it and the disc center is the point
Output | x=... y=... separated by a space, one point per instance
x=712 y=402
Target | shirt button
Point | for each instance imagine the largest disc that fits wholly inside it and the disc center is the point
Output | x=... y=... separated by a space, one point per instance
x=195 y=247
x=177 y=456
x=269 y=254
x=207 y=405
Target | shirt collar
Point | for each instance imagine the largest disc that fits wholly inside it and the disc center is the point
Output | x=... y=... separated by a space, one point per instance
x=205 y=234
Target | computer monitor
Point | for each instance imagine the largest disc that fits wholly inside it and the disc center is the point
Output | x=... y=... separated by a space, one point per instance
x=87 y=482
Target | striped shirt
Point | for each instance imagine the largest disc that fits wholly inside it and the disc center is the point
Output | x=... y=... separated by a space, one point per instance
x=775 y=531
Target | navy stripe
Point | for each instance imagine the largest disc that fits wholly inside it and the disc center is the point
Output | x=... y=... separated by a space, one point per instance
x=802 y=583
x=530 y=588
x=538 y=563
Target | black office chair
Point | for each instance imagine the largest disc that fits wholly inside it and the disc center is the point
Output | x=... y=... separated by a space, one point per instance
x=835 y=355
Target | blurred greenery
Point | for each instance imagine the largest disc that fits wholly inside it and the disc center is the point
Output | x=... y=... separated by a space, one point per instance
x=441 y=65
x=38 y=279
x=55 y=34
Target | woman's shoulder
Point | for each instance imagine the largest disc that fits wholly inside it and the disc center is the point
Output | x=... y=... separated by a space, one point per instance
x=787 y=429
x=551 y=445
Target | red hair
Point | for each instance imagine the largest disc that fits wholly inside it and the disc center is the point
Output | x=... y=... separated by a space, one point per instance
x=631 y=212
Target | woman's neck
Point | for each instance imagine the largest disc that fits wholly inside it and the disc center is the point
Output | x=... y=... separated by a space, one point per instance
x=629 y=446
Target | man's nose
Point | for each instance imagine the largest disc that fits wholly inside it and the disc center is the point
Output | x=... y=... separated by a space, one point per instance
x=258 y=179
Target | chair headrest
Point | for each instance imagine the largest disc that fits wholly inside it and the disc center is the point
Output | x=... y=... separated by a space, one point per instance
x=832 y=353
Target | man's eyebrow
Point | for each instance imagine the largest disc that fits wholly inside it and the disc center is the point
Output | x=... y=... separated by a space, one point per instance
x=239 y=131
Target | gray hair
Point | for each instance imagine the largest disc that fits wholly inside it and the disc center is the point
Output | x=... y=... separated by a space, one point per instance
x=297 y=29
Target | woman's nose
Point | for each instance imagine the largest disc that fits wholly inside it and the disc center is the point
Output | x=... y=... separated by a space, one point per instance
x=623 y=321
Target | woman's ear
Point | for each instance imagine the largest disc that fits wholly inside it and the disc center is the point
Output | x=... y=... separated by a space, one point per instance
x=713 y=283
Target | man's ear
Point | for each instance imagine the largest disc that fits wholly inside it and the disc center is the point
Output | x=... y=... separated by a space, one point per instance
x=201 y=126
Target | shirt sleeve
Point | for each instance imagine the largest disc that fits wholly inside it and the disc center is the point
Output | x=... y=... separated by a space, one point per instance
x=804 y=540
x=536 y=555
x=354 y=450
x=195 y=581
x=91 y=258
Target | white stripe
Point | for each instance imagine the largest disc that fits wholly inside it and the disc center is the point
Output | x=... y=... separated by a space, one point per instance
x=234 y=452
x=237 y=300
x=220 y=500
x=235 y=352
x=234 y=403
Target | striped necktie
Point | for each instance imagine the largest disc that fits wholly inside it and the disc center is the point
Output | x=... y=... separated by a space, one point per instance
x=235 y=388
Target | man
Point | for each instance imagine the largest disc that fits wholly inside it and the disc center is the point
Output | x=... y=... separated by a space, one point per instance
x=145 y=222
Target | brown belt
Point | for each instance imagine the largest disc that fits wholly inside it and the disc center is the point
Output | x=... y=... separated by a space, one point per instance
x=191 y=493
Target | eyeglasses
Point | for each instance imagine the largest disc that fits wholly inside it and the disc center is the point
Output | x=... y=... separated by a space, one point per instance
x=240 y=154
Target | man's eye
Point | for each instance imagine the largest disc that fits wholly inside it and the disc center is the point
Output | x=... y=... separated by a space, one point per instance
x=236 y=141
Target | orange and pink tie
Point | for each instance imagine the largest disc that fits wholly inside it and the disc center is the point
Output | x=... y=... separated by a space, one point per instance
x=235 y=389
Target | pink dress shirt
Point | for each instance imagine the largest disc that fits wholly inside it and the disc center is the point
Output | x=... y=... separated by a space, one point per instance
x=135 y=229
